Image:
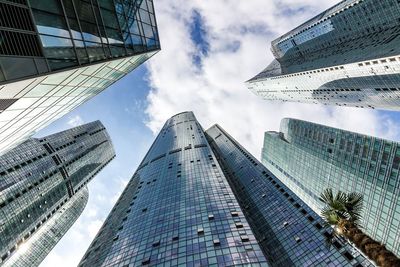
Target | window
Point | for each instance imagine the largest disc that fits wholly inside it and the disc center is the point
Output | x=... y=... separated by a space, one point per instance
x=234 y=214
x=244 y=238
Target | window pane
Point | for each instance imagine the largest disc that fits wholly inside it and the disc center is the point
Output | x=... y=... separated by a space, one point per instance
x=51 y=24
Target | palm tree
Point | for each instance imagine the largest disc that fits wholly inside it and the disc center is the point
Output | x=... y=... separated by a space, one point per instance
x=343 y=212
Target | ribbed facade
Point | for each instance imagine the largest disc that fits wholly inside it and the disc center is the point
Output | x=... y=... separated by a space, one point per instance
x=181 y=209
x=40 y=177
x=309 y=158
x=289 y=232
x=56 y=55
x=349 y=55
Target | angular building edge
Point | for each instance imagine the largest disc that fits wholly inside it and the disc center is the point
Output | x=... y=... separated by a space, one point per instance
x=41 y=177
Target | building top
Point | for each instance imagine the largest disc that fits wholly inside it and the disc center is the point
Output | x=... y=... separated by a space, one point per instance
x=348 y=32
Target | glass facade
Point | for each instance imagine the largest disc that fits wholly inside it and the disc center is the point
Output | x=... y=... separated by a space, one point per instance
x=179 y=209
x=289 y=232
x=39 y=178
x=309 y=158
x=35 y=249
x=340 y=57
x=51 y=35
x=61 y=53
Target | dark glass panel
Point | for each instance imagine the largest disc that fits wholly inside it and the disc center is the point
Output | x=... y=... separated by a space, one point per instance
x=114 y=36
x=75 y=30
x=16 y=67
x=122 y=22
x=69 y=8
x=58 y=51
x=117 y=51
x=47 y=5
x=2 y=77
x=41 y=65
x=84 y=11
x=106 y=4
x=109 y=18
x=81 y=51
x=95 y=51
x=90 y=32
x=50 y=24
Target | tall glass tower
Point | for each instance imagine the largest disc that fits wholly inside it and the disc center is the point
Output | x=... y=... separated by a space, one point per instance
x=57 y=54
x=179 y=209
x=309 y=158
x=349 y=55
x=43 y=189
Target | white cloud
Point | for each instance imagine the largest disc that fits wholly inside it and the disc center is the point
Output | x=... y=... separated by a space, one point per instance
x=75 y=121
x=239 y=35
x=215 y=91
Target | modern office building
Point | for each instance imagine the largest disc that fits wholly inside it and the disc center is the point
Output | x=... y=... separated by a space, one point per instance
x=43 y=189
x=35 y=249
x=349 y=55
x=55 y=55
x=308 y=158
x=181 y=208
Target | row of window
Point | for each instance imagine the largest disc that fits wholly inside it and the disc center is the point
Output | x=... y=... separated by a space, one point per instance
x=33 y=230
x=367 y=63
x=27 y=189
x=291 y=199
x=22 y=164
x=338 y=11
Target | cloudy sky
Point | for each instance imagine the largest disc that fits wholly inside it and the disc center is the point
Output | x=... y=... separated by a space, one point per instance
x=209 y=48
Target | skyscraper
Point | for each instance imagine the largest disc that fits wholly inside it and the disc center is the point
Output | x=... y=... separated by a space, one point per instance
x=349 y=55
x=181 y=208
x=309 y=158
x=55 y=55
x=33 y=251
x=43 y=189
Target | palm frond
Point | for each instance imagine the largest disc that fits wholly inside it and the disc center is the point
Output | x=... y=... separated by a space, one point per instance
x=354 y=206
x=326 y=197
x=341 y=206
x=330 y=216
x=354 y=201
x=341 y=197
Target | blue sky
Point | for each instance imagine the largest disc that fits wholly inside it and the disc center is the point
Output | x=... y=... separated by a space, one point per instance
x=209 y=48
x=121 y=109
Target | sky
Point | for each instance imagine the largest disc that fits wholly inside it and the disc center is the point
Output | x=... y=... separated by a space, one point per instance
x=208 y=49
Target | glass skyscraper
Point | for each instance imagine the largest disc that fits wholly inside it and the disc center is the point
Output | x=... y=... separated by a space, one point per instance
x=34 y=250
x=188 y=205
x=349 y=55
x=57 y=54
x=309 y=158
x=43 y=189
